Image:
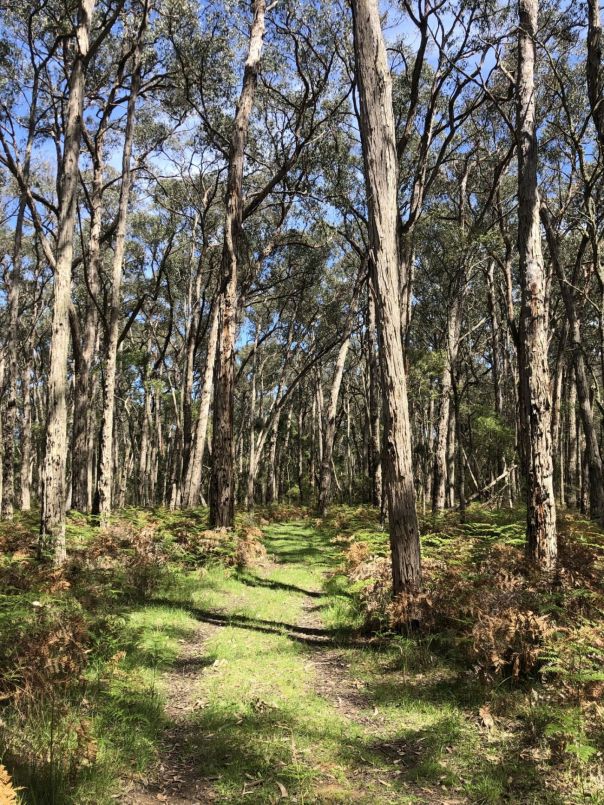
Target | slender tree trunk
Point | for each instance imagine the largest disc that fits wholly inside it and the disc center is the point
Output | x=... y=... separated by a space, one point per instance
x=379 y=152
x=439 y=487
x=105 y=479
x=284 y=456
x=533 y=363
x=301 y=455
x=375 y=450
x=192 y=490
x=82 y=413
x=143 y=475
x=190 y=344
x=329 y=430
x=451 y=451
x=52 y=529
x=592 y=446
x=459 y=455
x=249 y=493
x=9 y=419
x=14 y=288
x=558 y=385
x=26 y=435
x=593 y=67
x=271 y=480
x=572 y=485
x=222 y=503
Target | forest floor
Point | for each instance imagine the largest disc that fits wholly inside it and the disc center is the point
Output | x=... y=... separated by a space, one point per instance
x=258 y=685
x=272 y=699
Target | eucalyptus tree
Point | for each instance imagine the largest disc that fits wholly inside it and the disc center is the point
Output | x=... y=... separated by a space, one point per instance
x=535 y=394
x=380 y=160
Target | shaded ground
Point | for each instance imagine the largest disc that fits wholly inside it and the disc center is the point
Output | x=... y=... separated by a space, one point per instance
x=276 y=696
x=149 y=669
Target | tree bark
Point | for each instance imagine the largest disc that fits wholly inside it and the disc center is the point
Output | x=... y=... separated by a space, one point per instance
x=592 y=445
x=593 y=67
x=439 y=486
x=9 y=419
x=81 y=491
x=26 y=436
x=52 y=528
x=192 y=486
x=329 y=430
x=532 y=358
x=380 y=159
x=105 y=479
x=222 y=502
x=375 y=452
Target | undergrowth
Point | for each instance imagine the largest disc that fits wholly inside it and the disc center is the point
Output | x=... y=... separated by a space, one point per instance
x=497 y=697
x=533 y=644
x=81 y=648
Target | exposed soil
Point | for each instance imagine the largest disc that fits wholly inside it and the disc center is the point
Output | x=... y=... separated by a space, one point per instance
x=174 y=779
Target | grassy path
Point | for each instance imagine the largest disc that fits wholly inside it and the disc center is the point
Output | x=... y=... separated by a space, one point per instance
x=275 y=697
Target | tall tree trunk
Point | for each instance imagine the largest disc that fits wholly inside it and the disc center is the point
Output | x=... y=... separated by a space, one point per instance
x=572 y=484
x=593 y=67
x=222 y=503
x=26 y=435
x=192 y=486
x=459 y=455
x=379 y=152
x=300 y=462
x=271 y=479
x=191 y=334
x=329 y=431
x=249 y=492
x=14 y=288
x=451 y=440
x=84 y=347
x=455 y=313
x=283 y=462
x=592 y=446
x=532 y=359
x=105 y=479
x=558 y=385
x=52 y=527
x=375 y=451
x=9 y=419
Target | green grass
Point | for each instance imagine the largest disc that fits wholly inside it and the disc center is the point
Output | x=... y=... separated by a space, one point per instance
x=291 y=693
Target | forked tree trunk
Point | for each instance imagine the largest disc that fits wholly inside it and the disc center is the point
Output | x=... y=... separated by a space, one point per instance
x=222 y=501
x=532 y=358
x=379 y=153
x=52 y=526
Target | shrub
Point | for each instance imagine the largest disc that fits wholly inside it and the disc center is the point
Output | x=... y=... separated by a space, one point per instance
x=249 y=550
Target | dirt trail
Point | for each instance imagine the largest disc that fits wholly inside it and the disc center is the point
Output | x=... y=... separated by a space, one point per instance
x=174 y=779
x=377 y=778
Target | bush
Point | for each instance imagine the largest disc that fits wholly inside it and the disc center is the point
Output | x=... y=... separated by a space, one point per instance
x=249 y=551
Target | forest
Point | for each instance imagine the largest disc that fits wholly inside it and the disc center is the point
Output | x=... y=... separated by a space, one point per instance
x=302 y=401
